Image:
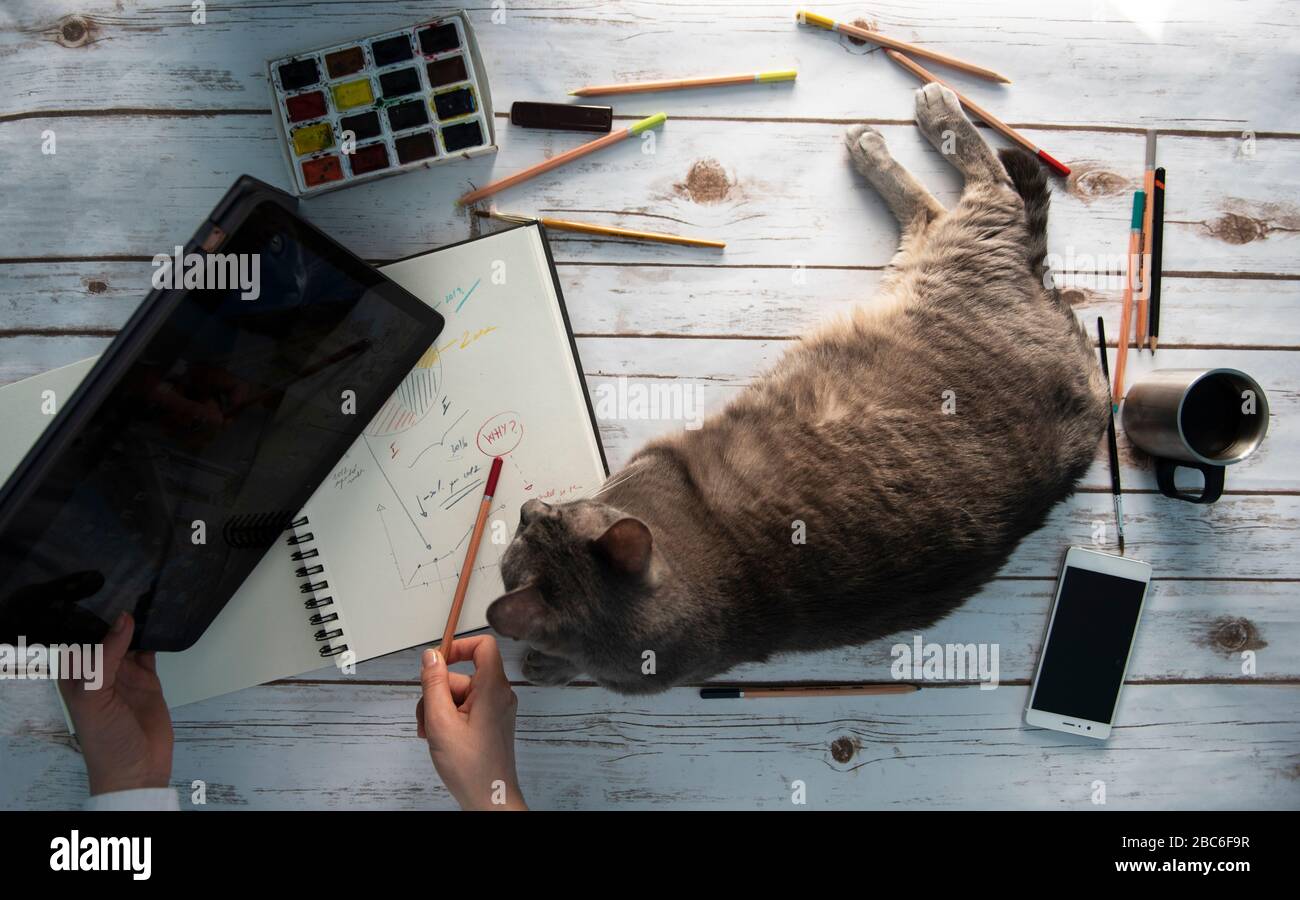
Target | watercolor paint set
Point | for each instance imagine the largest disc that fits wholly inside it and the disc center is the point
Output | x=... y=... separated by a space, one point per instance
x=383 y=104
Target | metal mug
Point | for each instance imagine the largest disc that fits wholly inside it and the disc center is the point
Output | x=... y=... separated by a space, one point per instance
x=1204 y=419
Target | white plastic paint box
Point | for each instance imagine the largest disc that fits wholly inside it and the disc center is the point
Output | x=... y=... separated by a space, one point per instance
x=383 y=104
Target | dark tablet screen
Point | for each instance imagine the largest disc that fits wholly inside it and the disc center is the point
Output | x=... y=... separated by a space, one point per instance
x=226 y=410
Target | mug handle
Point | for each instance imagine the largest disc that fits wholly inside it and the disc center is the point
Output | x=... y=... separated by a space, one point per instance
x=1165 y=469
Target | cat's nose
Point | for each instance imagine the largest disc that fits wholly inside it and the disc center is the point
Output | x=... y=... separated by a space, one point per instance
x=532 y=510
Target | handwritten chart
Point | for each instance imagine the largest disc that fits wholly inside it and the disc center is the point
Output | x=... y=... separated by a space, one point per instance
x=393 y=518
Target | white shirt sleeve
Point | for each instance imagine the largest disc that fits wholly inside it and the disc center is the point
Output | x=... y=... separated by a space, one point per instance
x=161 y=799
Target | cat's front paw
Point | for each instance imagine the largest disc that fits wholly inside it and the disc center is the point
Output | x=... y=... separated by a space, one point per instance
x=866 y=147
x=540 y=668
x=938 y=110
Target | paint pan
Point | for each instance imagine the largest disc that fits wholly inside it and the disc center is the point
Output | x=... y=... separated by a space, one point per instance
x=383 y=104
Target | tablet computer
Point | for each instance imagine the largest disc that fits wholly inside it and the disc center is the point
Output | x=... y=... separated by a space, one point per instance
x=257 y=359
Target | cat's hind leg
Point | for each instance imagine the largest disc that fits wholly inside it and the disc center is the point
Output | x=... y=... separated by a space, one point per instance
x=906 y=197
x=940 y=118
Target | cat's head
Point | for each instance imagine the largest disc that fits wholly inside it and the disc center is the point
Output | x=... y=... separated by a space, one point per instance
x=579 y=577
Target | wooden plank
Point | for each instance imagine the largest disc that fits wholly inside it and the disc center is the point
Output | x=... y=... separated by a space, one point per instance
x=702 y=301
x=705 y=177
x=715 y=370
x=353 y=746
x=77 y=55
x=1191 y=630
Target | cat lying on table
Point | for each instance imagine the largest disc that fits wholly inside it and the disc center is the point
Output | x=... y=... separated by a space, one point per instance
x=907 y=508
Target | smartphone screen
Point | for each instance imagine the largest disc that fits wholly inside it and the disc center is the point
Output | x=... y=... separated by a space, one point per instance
x=1087 y=648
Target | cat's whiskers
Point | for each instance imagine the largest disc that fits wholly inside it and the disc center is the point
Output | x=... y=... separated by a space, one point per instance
x=615 y=481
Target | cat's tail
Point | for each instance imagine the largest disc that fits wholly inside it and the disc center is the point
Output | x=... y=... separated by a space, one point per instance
x=1030 y=182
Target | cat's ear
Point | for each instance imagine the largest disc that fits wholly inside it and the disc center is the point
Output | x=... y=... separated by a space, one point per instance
x=626 y=545
x=518 y=614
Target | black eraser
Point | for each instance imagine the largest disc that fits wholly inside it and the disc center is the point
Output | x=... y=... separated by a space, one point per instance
x=562 y=116
x=721 y=693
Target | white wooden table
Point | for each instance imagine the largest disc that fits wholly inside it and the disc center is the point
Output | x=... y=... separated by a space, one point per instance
x=154 y=117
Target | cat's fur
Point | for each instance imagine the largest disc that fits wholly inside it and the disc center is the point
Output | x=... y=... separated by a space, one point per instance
x=908 y=510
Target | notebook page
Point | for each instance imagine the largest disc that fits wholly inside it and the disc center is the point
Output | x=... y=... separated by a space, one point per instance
x=393 y=519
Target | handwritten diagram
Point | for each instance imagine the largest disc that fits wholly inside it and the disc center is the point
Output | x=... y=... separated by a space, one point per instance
x=501 y=381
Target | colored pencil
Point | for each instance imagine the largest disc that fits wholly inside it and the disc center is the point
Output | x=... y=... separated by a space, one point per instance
x=678 y=84
x=875 y=37
x=1145 y=297
x=794 y=690
x=589 y=228
x=1157 y=254
x=1126 y=309
x=475 y=538
x=554 y=162
x=989 y=119
x=1116 y=491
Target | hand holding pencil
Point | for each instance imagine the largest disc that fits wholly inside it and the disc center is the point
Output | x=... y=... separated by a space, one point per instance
x=471 y=553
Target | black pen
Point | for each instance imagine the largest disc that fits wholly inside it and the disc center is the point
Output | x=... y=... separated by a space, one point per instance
x=1157 y=242
x=1115 y=490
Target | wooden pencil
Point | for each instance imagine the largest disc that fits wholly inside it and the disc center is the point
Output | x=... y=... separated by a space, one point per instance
x=1149 y=186
x=567 y=157
x=610 y=230
x=678 y=84
x=471 y=552
x=875 y=37
x=1126 y=308
x=987 y=117
x=795 y=690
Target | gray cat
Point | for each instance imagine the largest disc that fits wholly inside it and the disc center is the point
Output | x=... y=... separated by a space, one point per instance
x=913 y=445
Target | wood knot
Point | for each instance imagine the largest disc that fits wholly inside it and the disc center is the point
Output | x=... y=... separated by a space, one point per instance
x=842 y=749
x=1232 y=228
x=1233 y=634
x=1088 y=181
x=706 y=182
x=75 y=31
x=868 y=24
x=97 y=287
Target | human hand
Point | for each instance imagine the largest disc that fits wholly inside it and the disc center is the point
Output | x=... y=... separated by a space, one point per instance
x=124 y=728
x=469 y=722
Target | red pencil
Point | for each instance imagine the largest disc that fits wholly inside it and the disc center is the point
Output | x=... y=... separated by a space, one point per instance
x=462 y=585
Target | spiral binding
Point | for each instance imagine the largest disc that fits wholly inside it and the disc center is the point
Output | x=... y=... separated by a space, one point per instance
x=254 y=531
x=323 y=636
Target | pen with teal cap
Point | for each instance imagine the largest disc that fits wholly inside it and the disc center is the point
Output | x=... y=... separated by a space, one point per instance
x=1126 y=310
x=568 y=156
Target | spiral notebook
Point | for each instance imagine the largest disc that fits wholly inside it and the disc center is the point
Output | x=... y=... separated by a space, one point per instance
x=371 y=562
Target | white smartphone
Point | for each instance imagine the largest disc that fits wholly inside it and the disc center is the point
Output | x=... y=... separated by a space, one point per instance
x=1090 y=634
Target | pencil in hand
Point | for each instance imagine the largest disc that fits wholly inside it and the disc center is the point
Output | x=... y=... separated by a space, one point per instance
x=471 y=552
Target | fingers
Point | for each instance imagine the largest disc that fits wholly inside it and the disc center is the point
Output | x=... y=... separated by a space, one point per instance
x=486 y=655
x=438 y=706
x=463 y=649
x=118 y=639
x=460 y=685
x=116 y=643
